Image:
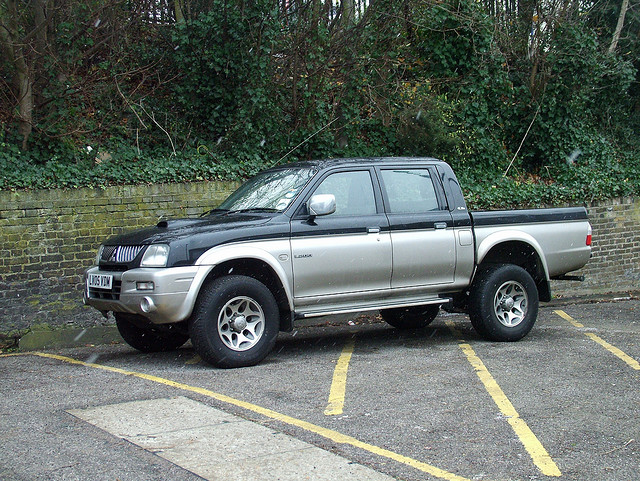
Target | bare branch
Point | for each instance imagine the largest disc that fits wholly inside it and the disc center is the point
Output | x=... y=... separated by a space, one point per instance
x=153 y=119
x=126 y=100
x=522 y=143
x=616 y=35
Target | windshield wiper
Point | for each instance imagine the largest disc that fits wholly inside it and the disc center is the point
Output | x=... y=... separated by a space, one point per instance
x=213 y=211
x=253 y=209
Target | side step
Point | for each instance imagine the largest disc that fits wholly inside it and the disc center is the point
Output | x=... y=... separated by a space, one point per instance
x=565 y=277
x=370 y=306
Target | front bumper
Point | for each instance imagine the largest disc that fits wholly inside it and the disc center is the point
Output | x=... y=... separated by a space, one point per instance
x=171 y=299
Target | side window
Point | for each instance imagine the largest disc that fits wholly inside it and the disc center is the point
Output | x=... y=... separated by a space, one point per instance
x=353 y=192
x=409 y=191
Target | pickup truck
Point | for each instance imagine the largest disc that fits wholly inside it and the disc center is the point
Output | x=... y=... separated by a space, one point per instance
x=331 y=237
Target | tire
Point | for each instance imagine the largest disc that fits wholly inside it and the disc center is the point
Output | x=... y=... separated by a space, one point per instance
x=235 y=322
x=411 y=317
x=148 y=338
x=503 y=302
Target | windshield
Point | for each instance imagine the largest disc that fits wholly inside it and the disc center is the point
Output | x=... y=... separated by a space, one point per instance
x=271 y=191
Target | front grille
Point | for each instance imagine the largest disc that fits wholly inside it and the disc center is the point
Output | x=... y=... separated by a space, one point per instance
x=113 y=267
x=120 y=254
x=112 y=295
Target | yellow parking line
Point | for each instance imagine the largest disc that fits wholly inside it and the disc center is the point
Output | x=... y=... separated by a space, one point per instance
x=330 y=434
x=609 y=347
x=534 y=447
x=567 y=317
x=615 y=351
x=339 y=383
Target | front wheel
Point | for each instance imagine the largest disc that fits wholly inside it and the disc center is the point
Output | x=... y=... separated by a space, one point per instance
x=503 y=302
x=410 y=317
x=235 y=322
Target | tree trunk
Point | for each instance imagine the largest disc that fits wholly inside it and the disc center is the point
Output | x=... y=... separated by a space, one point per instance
x=178 y=11
x=616 y=34
x=348 y=12
x=14 y=49
x=40 y=17
x=526 y=11
x=25 y=102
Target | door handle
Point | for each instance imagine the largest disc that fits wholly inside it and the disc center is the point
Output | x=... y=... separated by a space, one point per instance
x=440 y=225
x=373 y=230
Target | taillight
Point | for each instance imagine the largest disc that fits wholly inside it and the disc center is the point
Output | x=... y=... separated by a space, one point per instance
x=589 y=232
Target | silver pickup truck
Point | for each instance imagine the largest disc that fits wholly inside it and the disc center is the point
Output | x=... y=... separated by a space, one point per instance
x=327 y=237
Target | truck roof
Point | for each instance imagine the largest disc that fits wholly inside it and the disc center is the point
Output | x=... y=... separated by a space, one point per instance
x=355 y=161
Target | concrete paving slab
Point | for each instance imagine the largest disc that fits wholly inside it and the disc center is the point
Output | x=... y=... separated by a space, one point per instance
x=216 y=445
x=150 y=417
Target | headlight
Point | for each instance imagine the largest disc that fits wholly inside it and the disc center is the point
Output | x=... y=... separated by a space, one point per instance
x=155 y=256
x=99 y=256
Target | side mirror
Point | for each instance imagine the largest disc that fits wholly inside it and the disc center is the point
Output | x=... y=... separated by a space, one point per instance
x=321 y=204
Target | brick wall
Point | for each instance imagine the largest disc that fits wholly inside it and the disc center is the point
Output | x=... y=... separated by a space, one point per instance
x=48 y=238
x=615 y=265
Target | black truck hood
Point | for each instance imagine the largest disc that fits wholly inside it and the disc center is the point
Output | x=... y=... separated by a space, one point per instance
x=189 y=238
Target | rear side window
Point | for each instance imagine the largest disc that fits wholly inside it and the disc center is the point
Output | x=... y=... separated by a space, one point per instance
x=409 y=191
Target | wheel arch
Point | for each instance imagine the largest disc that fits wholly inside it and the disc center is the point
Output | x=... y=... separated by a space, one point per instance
x=260 y=266
x=521 y=250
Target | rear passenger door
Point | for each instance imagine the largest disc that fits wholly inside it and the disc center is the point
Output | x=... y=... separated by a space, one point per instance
x=422 y=235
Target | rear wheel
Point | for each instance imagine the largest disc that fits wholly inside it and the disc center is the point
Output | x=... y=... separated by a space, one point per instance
x=235 y=322
x=411 y=317
x=146 y=337
x=503 y=302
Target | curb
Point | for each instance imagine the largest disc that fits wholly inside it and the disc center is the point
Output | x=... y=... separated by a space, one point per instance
x=70 y=337
x=78 y=337
x=630 y=295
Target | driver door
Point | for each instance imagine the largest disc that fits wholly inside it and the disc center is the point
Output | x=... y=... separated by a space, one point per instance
x=346 y=255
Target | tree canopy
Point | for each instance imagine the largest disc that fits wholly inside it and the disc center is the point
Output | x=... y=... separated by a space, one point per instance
x=538 y=94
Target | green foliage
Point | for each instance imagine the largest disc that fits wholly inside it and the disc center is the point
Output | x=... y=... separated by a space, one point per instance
x=577 y=185
x=583 y=90
x=123 y=167
x=240 y=86
x=455 y=43
x=224 y=60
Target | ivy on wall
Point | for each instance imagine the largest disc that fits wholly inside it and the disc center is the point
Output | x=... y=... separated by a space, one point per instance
x=528 y=110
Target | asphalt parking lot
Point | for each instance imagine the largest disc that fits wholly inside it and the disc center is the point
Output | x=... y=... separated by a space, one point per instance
x=361 y=401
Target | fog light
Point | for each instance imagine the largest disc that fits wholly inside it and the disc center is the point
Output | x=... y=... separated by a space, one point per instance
x=145 y=286
x=147 y=305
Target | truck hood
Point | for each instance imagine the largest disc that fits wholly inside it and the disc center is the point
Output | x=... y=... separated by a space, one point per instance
x=172 y=230
x=190 y=238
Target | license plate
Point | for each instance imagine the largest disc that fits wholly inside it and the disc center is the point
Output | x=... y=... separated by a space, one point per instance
x=100 y=281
